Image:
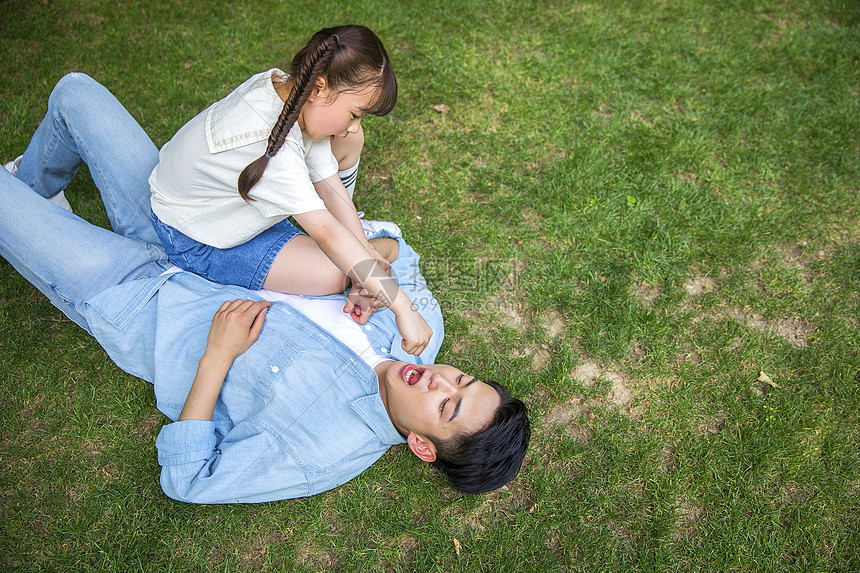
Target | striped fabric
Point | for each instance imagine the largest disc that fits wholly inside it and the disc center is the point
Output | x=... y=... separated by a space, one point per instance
x=348 y=177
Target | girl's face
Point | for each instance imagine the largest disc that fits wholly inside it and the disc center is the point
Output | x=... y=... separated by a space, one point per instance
x=327 y=114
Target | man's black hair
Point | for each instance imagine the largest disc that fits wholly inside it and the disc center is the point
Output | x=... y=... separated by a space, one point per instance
x=488 y=459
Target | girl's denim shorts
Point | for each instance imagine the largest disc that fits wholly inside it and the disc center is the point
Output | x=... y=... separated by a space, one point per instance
x=245 y=265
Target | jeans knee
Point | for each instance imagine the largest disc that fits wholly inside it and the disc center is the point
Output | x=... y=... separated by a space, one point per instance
x=70 y=88
x=72 y=81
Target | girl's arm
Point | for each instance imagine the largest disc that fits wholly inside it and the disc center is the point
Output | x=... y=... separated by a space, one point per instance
x=339 y=204
x=359 y=263
x=360 y=304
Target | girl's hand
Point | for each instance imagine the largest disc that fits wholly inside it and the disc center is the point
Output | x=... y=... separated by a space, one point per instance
x=235 y=327
x=415 y=331
x=360 y=304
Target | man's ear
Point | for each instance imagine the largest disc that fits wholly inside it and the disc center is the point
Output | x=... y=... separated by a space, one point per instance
x=421 y=447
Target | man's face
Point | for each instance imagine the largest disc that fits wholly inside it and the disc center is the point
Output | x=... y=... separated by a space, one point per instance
x=435 y=401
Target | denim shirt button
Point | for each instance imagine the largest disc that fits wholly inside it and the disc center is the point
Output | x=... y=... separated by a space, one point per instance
x=274 y=368
x=383 y=349
x=367 y=327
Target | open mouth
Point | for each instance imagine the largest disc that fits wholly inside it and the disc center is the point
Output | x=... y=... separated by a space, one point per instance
x=411 y=374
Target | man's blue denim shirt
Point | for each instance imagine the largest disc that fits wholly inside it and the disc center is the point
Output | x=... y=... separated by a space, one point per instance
x=299 y=413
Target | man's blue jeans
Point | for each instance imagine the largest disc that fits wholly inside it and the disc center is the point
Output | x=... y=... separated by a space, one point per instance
x=65 y=257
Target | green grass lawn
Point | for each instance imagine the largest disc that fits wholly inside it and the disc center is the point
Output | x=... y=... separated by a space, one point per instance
x=630 y=211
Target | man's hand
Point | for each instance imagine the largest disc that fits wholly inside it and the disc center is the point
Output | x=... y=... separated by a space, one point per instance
x=235 y=327
x=415 y=330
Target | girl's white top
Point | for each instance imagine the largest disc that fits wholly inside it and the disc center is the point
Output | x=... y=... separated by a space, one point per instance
x=195 y=184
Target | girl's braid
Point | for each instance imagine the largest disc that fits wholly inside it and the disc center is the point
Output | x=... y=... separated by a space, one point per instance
x=304 y=81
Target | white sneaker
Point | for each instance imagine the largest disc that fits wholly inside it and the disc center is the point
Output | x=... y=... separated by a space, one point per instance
x=372 y=228
x=12 y=166
x=58 y=199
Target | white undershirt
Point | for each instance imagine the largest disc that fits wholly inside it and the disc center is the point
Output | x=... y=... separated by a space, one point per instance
x=328 y=313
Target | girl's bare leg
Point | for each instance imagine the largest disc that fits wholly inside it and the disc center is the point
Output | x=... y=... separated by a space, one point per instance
x=317 y=275
x=347 y=150
x=302 y=268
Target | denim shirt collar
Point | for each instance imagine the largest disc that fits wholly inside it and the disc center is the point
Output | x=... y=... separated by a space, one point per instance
x=369 y=408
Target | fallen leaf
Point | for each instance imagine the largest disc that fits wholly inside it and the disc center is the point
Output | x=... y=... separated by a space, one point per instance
x=457 y=546
x=441 y=108
x=762 y=377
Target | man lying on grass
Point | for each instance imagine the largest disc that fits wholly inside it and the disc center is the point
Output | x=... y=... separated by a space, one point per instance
x=268 y=403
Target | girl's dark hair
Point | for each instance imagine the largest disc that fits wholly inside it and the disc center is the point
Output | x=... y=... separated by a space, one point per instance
x=488 y=459
x=350 y=58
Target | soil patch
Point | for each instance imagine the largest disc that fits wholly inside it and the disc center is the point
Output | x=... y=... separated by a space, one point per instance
x=620 y=394
x=646 y=294
x=712 y=426
x=795 y=330
x=553 y=323
x=699 y=285
x=149 y=427
x=687 y=514
x=573 y=417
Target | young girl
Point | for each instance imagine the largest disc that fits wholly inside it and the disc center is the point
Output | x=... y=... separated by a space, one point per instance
x=227 y=181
